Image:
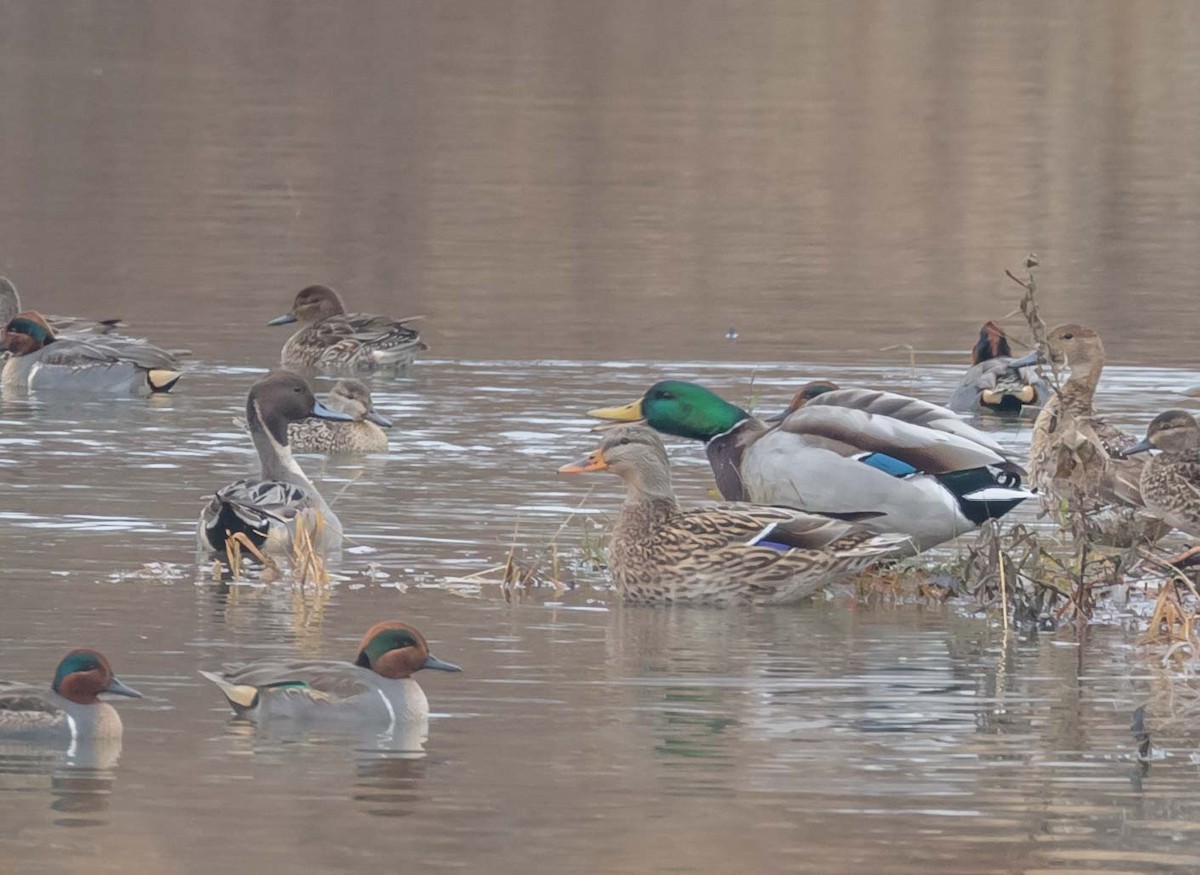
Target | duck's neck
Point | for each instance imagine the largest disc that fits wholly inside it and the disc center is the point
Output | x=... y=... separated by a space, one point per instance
x=648 y=496
x=274 y=456
x=1079 y=390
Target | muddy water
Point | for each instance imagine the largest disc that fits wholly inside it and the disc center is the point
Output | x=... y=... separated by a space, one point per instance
x=581 y=198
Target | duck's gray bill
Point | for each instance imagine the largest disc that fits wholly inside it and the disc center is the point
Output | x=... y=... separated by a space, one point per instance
x=1140 y=447
x=285 y=319
x=374 y=417
x=433 y=662
x=119 y=689
x=323 y=412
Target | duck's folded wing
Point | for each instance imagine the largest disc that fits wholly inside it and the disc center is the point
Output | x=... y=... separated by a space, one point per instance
x=933 y=451
x=81 y=354
x=753 y=524
x=257 y=502
x=903 y=408
x=322 y=679
x=25 y=708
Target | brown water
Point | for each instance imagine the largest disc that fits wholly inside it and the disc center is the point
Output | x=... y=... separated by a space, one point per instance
x=582 y=198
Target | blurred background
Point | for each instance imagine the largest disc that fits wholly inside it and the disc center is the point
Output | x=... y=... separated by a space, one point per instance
x=617 y=179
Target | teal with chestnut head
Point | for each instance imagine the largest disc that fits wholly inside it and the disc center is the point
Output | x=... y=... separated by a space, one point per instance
x=679 y=408
x=397 y=650
x=83 y=675
x=26 y=333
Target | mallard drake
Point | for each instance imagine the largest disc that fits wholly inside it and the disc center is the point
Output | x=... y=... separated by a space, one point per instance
x=923 y=471
x=267 y=509
x=363 y=435
x=331 y=339
x=723 y=554
x=1170 y=480
x=993 y=385
x=377 y=688
x=39 y=359
x=10 y=306
x=70 y=710
x=1077 y=460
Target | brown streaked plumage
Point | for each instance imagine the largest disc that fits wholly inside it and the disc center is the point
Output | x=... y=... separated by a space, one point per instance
x=1170 y=480
x=1076 y=456
x=330 y=339
x=661 y=553
x=363 y=435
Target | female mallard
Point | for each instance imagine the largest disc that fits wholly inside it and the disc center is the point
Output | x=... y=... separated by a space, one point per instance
x=39 y=359
x=10 y=306
x=267 y=509
x=377 y=688
x=726 y=554
x=331 y=339
x=918 y=467
x=1076 y=458
x=70 y=710
x=1170 y=481
x=993 y=384
x=362 y=435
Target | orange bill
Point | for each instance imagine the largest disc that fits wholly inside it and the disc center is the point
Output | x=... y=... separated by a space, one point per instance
x=593 y=461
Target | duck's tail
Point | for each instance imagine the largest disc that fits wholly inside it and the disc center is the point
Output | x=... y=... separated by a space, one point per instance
x=161 y=379
x=241 y=697
x=982 y=495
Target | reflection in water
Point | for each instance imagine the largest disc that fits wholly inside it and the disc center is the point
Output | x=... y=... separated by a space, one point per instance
x=81 y=781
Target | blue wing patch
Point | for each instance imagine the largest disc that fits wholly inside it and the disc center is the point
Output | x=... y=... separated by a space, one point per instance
x=888 y=464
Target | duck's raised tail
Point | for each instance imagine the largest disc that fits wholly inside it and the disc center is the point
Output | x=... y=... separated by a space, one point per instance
x=242 y=698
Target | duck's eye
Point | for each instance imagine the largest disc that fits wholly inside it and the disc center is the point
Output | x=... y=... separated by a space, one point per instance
x=623 y=441
x=1068 y=336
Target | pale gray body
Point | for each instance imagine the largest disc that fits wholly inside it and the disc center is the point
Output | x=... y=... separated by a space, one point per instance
x=99 y=366
x=38 y=714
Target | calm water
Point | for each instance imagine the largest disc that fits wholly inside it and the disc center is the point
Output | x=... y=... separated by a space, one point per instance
x=581 y=198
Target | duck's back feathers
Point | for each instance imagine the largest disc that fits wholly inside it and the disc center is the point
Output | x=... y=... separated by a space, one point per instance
x=26 y=710
x=252 y=507
x=354 y=342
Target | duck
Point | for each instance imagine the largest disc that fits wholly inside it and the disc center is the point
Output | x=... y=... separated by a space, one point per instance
x=364 y=434
x=734 y=553
x=918 y=467
x=267 y=509
x=39 y=360
x=70 y=710
x=1077 y=459
x=330 y=339
x=993 y=385
x=1170 y=480
x=10 y=306
x=376 y=688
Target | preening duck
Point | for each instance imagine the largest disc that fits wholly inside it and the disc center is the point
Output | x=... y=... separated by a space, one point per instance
x=993 y=384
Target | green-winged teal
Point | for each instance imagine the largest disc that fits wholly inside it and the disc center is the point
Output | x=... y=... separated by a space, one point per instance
x=10 y=306
x=70 y=709
x=40 y=360
x=377 y=688
x=330 y=339
x=363 y=435
x=993 y=385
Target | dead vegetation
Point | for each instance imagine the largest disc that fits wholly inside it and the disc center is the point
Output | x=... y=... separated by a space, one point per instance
x=305 y=562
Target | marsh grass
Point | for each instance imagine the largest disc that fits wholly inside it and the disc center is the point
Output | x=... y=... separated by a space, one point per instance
x=306 y=564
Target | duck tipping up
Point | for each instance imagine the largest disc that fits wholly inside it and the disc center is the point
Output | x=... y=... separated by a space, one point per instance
x=70 y=710
x=725 y=554
x=330 y=339
x=363 y=435
x=377 y=688
x=268 y=509
x=994 y=384
x=923 y=471
x=39 y=359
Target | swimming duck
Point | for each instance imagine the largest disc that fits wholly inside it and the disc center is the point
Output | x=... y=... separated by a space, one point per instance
x=333 y=340
x=10 y=306
x=70 y=710
x=377 y=687
x=993 y=385
x=923 y=471
x=39 y=359
x=724 y=554
x=1170 y=481
x=1077 y=460
x=362 y=435
x=267 y=509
